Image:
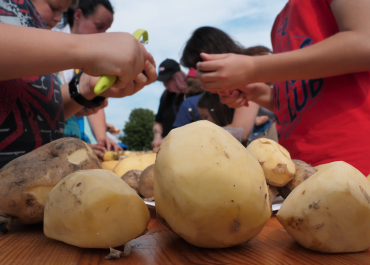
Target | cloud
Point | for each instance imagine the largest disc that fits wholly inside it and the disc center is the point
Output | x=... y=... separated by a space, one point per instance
x=170 y=23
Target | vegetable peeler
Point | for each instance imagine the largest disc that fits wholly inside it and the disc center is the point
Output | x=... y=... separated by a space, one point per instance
x=107 y=81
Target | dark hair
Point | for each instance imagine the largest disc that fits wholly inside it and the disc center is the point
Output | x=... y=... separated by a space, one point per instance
x=87 y=7
x=209 y=40
x=222 y=114
x=194 y=87
x=256 y=50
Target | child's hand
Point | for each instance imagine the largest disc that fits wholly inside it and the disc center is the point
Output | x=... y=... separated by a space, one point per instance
x=220 y=72
x=87 y=83
x=234 y=100
x=117 y=54
x=259 y=93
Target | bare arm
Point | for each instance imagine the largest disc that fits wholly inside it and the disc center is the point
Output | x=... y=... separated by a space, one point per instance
x=98 y=125
x=157 y=132
x=345 y=52
x=245 y=117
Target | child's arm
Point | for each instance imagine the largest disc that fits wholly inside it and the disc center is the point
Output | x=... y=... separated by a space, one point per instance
x=345 y=52
x=245 y=117
x=31 y=52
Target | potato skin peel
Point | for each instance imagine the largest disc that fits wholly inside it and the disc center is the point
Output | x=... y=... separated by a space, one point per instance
x=208 y=188
x=43 y=167
x=330 y=211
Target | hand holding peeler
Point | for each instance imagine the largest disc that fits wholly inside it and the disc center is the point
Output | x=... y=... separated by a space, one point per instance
x=107 y=81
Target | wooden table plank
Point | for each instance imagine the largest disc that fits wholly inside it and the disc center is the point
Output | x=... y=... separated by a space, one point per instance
x=28 y=245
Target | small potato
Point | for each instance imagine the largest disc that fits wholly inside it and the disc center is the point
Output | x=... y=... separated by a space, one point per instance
x=274 y=160
x=132 y=178
x=146 y=183
x=110 y=156
x=272 y=194
x=303 y=172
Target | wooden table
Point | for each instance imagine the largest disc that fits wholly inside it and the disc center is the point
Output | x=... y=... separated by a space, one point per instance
x=28 y=245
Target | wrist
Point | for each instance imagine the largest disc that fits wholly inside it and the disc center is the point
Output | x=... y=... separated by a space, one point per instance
x=79 y=51
x=85 y=89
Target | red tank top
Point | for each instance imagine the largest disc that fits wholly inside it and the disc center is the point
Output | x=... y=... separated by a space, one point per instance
x=320 y=120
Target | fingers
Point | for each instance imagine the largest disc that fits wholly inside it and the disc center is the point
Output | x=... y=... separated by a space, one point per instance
x=210 y=57
x=118 y=90
x=235 y=100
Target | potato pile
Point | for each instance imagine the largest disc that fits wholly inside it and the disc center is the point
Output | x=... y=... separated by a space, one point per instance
x=208 y=188
x=26 y=181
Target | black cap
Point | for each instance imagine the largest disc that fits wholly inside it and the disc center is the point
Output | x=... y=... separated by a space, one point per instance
x=167 y=68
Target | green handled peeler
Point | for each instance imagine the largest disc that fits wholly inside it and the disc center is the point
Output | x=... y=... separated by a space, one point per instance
x=107 y=81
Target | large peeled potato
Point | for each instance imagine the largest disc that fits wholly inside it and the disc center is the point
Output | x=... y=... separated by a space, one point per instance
x=330 y=211
x=26 y=181
x=208 y=188
x=139 y=162
x=274 y=159
x=94 y=209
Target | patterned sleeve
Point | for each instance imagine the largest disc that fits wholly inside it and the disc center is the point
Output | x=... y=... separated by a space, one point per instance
x=21 y=14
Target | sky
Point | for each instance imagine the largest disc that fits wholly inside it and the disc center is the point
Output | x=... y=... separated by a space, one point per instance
x=170 y=24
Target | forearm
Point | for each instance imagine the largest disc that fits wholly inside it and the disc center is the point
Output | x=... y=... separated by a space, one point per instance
x=157 y=129
x=51 y=52
x=244 y=117
x=344 y=52
x=98 y=125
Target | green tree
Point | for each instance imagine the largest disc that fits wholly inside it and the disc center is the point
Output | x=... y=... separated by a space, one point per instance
x=138 y=130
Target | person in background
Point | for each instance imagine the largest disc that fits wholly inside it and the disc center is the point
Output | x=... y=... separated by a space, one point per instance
x=211 y=109
x=320 y=69
x=174 y=81
x=188 y=111
x=90 y=17
x=33 y=106
x=213 y=40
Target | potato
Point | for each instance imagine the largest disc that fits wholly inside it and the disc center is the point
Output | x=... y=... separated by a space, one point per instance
x=330 y=211
x=132 y=179
x=94 y=209
x=208 y=188
x=272 y=194
x=139 y=162
x=302 y=172
x=274 y=159
x=109 y=165
x=110 y=156
x=321 y=166
x=146 y=182
x=26 y=181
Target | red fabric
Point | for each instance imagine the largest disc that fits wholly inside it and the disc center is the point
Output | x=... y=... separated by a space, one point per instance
x=323 y=120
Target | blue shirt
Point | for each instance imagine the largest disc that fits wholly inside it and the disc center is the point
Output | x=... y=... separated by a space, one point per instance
x=183 y=116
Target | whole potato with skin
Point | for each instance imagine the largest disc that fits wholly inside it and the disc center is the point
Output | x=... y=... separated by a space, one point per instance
x=132 y=178
x=26 y=181
x=302 y=172
x=146 y=182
